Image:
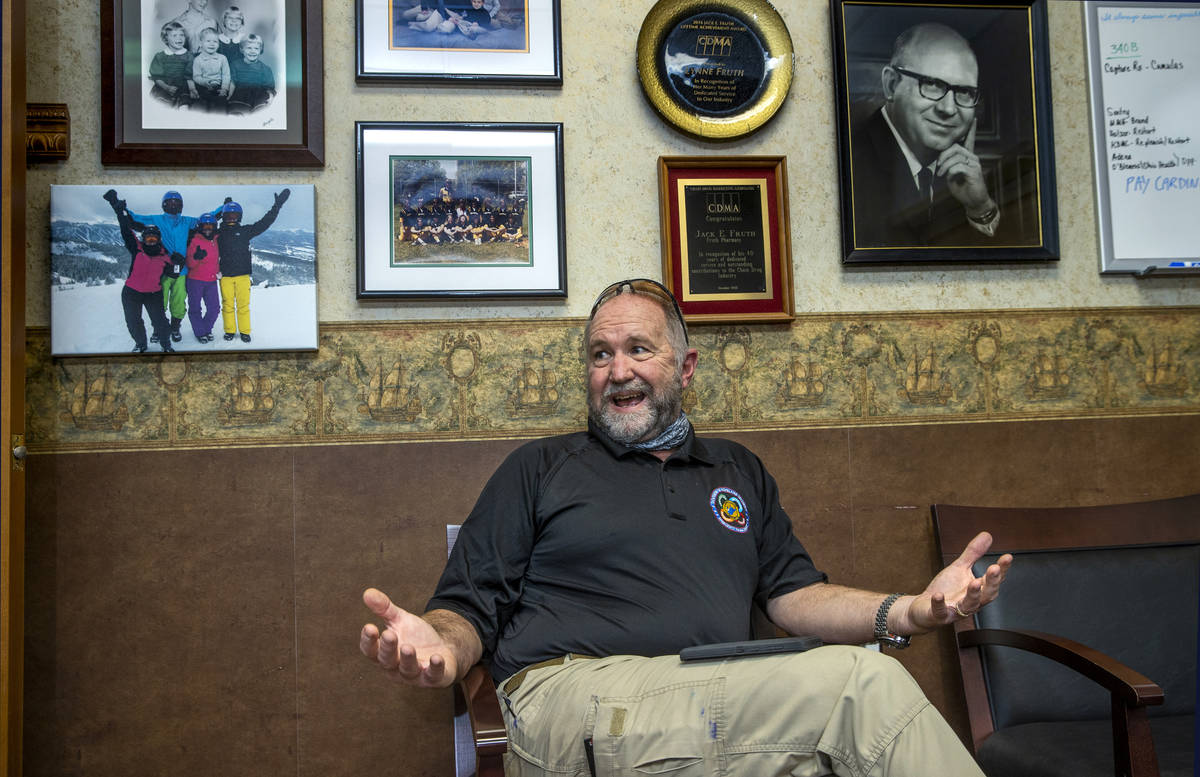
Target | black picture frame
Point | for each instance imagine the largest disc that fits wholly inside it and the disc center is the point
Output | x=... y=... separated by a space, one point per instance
x=247 y=141
x=411 y=175
x=1011 y=134
x=525 y=50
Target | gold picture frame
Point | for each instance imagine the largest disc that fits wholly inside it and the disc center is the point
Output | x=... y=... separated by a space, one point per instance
x=715 y=69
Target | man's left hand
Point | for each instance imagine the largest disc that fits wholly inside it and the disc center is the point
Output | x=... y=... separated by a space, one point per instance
x=964 y=178
x=956 y=593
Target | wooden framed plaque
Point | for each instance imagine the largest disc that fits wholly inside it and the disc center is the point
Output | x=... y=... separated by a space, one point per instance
x=725 y=241
x=716 y=69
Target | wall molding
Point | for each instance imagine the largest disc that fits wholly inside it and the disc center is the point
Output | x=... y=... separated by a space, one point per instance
x=372 y=382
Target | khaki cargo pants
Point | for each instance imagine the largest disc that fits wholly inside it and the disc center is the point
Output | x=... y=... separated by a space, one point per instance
x=832 y=710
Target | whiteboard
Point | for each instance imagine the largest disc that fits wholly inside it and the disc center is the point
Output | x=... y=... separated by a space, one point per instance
x=1144 y=74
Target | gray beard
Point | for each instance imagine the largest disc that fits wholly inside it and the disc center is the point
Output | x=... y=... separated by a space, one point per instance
x=650 y=421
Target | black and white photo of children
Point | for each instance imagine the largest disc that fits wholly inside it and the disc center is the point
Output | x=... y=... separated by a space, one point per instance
x=214 y=64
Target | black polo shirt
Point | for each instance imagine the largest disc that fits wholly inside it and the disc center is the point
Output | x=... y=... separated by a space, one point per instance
x=580 y=545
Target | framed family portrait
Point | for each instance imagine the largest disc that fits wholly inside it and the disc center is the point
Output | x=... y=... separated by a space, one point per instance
x=725 y=243
x=180 y=268
x=212 y=83
x=944 y=131
x=517 y=42
x=460 y=210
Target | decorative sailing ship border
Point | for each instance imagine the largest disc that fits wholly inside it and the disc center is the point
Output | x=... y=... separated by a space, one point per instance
x=410 y=381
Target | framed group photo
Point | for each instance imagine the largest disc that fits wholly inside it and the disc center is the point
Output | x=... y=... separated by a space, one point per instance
x=204 y=268
x=205 y=83
x=516 y=42
x=944 y=131
x=460 y=210
x=726 y=246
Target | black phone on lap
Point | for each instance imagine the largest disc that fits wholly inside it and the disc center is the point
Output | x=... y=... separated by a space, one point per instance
x=750 y=647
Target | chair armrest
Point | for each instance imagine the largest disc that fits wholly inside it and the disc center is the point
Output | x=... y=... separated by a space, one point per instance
x=1129 y=686
x=478 y=693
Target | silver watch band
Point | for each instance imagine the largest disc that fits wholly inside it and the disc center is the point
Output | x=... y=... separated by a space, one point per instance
x=882 y=634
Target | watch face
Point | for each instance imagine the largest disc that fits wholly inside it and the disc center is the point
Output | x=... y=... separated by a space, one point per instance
x=895 y=640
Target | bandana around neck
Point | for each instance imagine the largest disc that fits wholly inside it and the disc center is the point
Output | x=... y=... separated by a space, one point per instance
x=671 y=437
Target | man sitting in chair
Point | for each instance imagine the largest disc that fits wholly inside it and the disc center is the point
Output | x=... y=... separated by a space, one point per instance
x=592 y=558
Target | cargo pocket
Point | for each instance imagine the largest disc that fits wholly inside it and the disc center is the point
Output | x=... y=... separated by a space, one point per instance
x=675 y=731
x=535 y=745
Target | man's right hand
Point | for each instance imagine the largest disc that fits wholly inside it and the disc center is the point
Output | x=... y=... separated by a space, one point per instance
x=408 y=648
x=964 y=177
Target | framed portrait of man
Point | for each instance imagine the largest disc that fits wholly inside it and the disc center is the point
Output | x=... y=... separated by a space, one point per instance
x=944 y=131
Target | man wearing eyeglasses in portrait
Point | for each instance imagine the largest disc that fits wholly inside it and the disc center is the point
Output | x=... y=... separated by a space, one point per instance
x=592 y=560
x=916 y=178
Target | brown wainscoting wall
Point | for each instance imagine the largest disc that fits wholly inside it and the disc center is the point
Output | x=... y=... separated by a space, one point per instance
x=196 y=612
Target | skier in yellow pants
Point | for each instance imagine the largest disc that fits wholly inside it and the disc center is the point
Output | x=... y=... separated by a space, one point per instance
x=233 y=240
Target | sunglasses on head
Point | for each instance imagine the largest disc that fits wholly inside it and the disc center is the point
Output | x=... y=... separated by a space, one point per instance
x=641 y=286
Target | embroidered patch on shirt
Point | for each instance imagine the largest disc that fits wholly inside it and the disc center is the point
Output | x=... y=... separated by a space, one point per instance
x=730 y=509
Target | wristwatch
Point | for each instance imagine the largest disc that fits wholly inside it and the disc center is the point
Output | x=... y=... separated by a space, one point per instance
x=987 y=217
x=882 y=635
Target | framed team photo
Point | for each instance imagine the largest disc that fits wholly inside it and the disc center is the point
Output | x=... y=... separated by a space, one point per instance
x=944 y=131
x=212 y=83
x=436 y=41
x=156 y=270
x=460 y=210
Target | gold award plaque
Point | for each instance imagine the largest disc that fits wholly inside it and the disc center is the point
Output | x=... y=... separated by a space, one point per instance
x=715 y=69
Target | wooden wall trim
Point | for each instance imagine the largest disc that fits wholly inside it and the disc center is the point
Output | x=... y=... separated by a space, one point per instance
x=12 y=377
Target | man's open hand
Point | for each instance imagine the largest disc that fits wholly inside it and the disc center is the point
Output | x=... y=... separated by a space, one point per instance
x=408 y=647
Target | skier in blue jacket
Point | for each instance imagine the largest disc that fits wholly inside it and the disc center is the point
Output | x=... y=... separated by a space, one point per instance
x=174 y=227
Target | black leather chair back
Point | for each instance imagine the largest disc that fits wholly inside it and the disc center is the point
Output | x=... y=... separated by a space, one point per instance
x=1083 y=595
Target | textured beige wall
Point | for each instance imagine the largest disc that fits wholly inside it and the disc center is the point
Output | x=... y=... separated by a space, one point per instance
x=613 y=139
